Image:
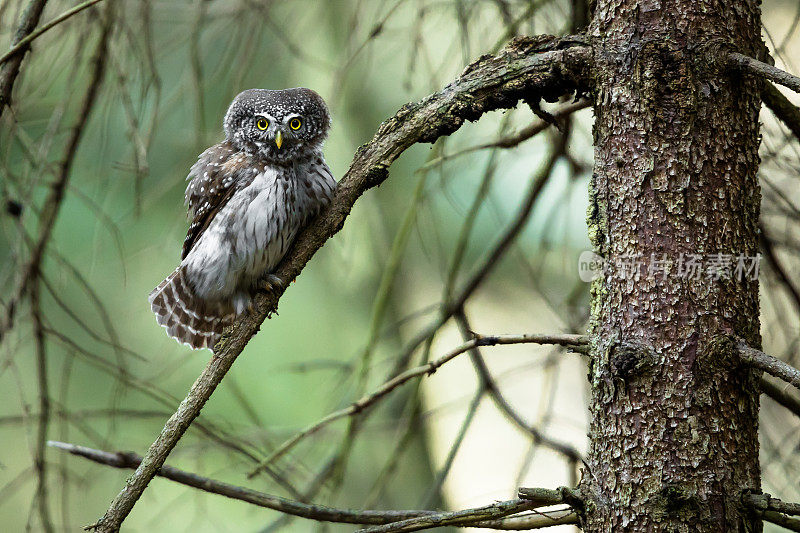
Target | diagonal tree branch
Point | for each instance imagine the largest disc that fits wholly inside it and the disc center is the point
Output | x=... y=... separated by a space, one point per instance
x=780 y=396
x=527 y=69
x=130 y=460
x=785 y=110
x=10 y=70
x=26 y=41
x=493 y=389
x=321 y=513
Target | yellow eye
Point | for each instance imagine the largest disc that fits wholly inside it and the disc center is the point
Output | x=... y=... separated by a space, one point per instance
x=295 y=124
x=262 y=124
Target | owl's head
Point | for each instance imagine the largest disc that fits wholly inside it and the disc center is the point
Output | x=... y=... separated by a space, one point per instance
x=279 y=126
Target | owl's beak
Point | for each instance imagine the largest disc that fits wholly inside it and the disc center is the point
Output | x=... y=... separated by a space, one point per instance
x=278 y=139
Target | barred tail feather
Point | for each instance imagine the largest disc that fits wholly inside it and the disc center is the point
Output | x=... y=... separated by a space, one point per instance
x=187 y=318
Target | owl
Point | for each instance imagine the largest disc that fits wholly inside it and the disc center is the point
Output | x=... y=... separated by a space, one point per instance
x=248 y=197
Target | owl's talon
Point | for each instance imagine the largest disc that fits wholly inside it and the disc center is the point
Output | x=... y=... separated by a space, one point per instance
x=271 y=282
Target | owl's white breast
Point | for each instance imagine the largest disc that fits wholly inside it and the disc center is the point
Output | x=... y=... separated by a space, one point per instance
x=267 y=220
x=252 y=233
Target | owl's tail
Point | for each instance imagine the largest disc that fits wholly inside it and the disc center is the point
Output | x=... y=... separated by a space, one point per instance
x=187 y=318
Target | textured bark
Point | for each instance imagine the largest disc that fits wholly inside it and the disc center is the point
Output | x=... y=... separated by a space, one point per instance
x=674 y=416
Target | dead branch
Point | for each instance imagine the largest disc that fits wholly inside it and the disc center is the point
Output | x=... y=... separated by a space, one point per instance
x=493 y=389
x=785 y=110
x=576 y=342
x=528 y=521
x=486 y=515
x=311 y=511
x=764 y=70
x=39 y=463
x=52 y=205
x=769 y=364
x=130 y=460
x=765 y=502
x=792 y=524
x=780 y=396
x=25 y=42
x=10 y=70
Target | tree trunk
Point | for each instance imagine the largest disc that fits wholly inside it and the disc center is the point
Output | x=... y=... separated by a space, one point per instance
x=674 y=418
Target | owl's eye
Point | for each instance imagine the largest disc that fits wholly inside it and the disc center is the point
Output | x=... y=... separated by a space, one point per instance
x=295 y=124
x=262 y=124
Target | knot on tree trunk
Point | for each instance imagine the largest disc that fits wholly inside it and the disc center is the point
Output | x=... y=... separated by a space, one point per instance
x=627 y=360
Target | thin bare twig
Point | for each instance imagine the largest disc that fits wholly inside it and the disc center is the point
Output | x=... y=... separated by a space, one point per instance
x=52 y=205
x=528 y=521
x=538 y=437
x=130 y=460
x=472 y=517
x=40 y=465
x=10 y=70
x=775 y=264
x=780 y=396
x=311 y=511
x=26 y=41
x=786 y=111
x=523 y=69
x=515 y=139
x=792 y=524
x=573 y=341
x=487 y=512
x=764 y=70
x=769 y=364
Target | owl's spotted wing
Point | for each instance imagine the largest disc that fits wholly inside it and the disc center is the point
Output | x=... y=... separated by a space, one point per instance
x=219 y=172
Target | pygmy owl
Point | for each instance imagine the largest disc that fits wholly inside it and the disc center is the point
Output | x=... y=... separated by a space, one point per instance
x=248 y=196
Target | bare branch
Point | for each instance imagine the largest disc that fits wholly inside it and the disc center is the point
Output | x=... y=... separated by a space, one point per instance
x=527 y=68
x=321 y=513
x=515 y=139
x=542 y=496
x=765 y=502
x=780 y=396
x=775 y=264
x=575 y=342
x=486 y=516
x=764 y=70
x=502 y=404
x=40 y=465
x=52 y=204
x=769 y=364
x=9 y=71
x=535 y=520
x=785 y=110
x=792 y=524
x=130 y=460
x=488 y=512
x=26 y=41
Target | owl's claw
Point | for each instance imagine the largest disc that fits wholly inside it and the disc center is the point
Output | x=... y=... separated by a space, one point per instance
x=272 y=282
